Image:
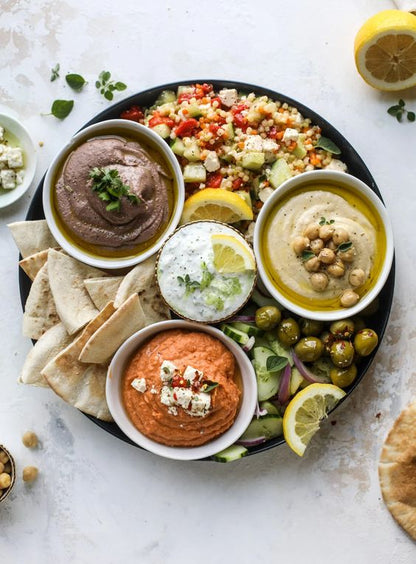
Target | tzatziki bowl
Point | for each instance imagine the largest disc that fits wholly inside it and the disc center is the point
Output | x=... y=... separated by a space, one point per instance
x=113 y=194
x=206 y=271
x=324 y=245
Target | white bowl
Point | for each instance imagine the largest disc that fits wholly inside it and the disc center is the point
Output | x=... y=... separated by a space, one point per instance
x=130 y=129
x=23 y=140
x=335 y=178
x=115 y=403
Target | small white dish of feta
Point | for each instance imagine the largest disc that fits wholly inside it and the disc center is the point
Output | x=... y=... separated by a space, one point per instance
x=17 y=160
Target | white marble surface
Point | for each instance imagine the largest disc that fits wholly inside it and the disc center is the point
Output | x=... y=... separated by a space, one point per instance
x=100 y=500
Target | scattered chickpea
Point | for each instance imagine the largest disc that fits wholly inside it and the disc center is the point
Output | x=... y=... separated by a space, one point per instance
x=316 y=245
x=349 y=298
x=325 y=232
x=349 y=255
x=5 y=480
x=319 y=281
x=327 y=256
x=1 y=467
x=313 y=264
x=30 y=439
x=299 y=244
x=3 y=457
x=340 y=235
x=30 y=473
x=357 y=277
x=336 y=269
x=312 y=231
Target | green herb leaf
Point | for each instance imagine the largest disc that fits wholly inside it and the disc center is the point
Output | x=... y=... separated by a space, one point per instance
x=55 y=72
x=401 y=103
x=110 y=188
x=120 y=86
x=276 y=363
x=107 y=86
x=399 y=115
x=307 y=255
x=208 y=386
x=207 y=277
x=322 y=221
x=108 y=95
x=113 y=206
x=411 y=116
x=344 y=246
x=328 y=145
x=393 y=110
x=62 y=108
x=75 y=81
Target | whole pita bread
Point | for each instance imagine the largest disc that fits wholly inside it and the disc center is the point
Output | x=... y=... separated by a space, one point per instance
x=40 y=311
x=32 y=236
x=73 y=303
x=103 y=290
x=33 y=263
x=79 y=384
x=141 y=280
x=397 y=470
x=49 y=345
x=125 y=321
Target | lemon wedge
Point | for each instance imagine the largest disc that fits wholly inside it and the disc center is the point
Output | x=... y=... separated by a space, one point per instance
x=231 y=255
x=214 y=203
x=305 y=411
x=385 y=50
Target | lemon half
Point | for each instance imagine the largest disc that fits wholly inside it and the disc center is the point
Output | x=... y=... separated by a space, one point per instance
x=385 y=50
x=218 y=204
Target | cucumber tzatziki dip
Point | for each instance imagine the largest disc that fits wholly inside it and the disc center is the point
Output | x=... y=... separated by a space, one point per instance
x=206 y=271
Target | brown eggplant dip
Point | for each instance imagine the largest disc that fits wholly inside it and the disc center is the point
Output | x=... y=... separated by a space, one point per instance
x=135 y=216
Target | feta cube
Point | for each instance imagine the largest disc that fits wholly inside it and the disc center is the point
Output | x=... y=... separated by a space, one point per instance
x=200 y=404
x=183 y=396
x=20 y=176
x=336 y=164
x=290 y=135
x=8 y=179
x=228 y=96
x=167 y=370
x=254 y=143
x=192 y=374
x=166 y=396
x=139 y=384
x=15 y=157
x=212 y=162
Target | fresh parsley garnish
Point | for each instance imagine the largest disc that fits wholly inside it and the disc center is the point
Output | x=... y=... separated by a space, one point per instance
x=276 y=363
x=75 y=81
x=110 y=188
x=344 y=246
x=190 y=285
x=107 y=86
x=323 y=221
x=399 y=110
x=55 y=72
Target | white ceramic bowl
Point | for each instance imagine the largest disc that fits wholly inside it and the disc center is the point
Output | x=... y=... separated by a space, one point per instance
x=22 y=139
x=115 y=404
x=333 y=178
x=133 y=130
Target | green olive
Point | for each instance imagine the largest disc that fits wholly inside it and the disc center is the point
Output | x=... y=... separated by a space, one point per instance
x=267 y=317
x=365 y=341
x=343 y=377
x=342 y=329
x=309 y=349
x=288 y=332
x=310 y=327
x=342 y=353
x=327 y=340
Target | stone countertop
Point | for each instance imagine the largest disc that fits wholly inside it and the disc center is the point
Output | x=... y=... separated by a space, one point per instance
x=98 y=499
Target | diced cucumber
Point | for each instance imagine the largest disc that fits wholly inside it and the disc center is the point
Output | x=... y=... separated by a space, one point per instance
x=194 y=172
x=229 y=130
x=162 y=129
x=178 y=147
x=299 y=151
x=269 y=407
x=245 y=196
x=192 y=152
x=253 y=160
x=261 y=354
x=247 y=328
x=165 y=97
x=279 y=172
x=267 y=382
x=194 y=111
x=234 y=452
x=296 y=380
x=268 y=426
x=277 y=347
x=184 y=90
x=235 y=334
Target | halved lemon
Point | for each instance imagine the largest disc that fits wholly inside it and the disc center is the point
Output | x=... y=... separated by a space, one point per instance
x=214 y=203
x=305 y=411
x=231 y=255
x=385 y=50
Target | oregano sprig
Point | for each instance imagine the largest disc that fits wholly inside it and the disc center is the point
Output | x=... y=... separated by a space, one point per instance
x=399 y=110
x=107 y=86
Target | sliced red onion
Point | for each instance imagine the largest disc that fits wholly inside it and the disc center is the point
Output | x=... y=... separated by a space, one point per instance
x=259 y=412
x=243 y=318
x=251 y=442
x=306 y=373
x=249 y=345
x=284 y=386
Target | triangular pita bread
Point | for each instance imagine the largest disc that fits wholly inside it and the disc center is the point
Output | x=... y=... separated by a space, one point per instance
x=33 y=263
x=32 y=236
x=103 y=290
x=40 y=312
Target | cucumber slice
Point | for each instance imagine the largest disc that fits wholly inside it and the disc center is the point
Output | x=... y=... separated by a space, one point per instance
x=279 y=172
x=194 y=172
x=277 y=347
x=178 y=147
x=270 y=408
x=165 y=97
x=299 y=151
x=296 y=380
x=267 y=382
x=235 y=334
x=261 y=354
x=192 y=152
x=194 y=111
x=253 y=160
x=162 y=129
x=185 y=90
x=234 y=452
x=268 y=426
x=251 y=330
x=245 y=196
x=229 y=130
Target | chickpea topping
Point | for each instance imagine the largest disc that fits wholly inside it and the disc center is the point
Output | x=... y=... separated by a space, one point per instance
x=325 y=232
x=316 y=245
x=312 y=231
x=319 y=281
x=357 y=277
x=336 y=269
x=5 y=480
x=8 y=467
x=331 y=245
x=1 y=467
x=348 y=256
x=30 y=439
x=327 y=256
x=299 y=244
x=340 y=235
x=30 y=473
x=313 y=264
x=3 y=457
x=349 y=298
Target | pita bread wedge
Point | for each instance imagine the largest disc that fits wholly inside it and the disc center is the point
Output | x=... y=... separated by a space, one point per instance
x=397 y=470
x=40 y=311
x=32 y=236
x=142 y=280
x=102 y=290
x=33 y=263
x=79 y=384
x=49 y=345
x=73 y=303
x=125 y=321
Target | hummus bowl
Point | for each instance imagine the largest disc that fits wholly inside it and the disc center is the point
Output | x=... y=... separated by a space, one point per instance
x=150 y=378
x=324 y=245
x=113 y=194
